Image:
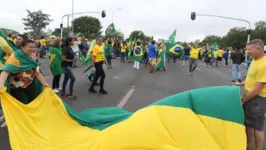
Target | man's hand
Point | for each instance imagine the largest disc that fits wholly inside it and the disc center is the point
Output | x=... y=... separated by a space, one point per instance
x=238 y=83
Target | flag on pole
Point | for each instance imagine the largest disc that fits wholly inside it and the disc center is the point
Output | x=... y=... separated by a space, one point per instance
x=110 y=29
x=172 y=37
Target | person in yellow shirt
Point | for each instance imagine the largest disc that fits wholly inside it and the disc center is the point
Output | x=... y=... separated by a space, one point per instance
x=43 y=47
x=255 y=96
x=194 y=55
x=123 y=52
x=220 y=56
x=98 y=59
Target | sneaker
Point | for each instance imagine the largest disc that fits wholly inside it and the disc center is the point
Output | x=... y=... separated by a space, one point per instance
x=102 y=91
x=233 y=81
x=71 y=96
x=56 y=91
x=2 y=118
x=59 y=89
x=239 y=80
x=3 y=125
x=92 y=90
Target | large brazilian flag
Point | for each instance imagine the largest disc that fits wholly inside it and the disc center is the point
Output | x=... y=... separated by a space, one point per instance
x=138 y=53
x=174 y=49
x=202 y=119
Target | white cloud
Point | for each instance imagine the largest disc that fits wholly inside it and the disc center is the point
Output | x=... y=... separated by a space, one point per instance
x=156 y=18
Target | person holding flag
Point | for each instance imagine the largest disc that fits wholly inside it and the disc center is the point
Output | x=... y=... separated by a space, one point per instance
x=161 y=58
x=138 y=55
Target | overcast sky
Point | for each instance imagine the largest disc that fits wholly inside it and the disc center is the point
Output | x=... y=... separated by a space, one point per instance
x=158 y=18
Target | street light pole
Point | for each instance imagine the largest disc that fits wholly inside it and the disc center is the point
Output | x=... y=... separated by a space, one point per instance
x=114 y=13
x=72 y=17
x=249 y=26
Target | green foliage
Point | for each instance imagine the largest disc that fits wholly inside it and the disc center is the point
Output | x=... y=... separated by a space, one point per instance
x=87 y=26
x=139 y=35
x=36 y=21
x=8 y=31
x=66 y=32
x=237 y=37
x=117 y=36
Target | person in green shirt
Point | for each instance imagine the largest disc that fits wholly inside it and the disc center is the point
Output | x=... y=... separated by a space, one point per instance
x=55 y=63
x=108 y=49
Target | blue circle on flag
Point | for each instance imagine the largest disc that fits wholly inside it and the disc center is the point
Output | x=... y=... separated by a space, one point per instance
x=177 y=49
x=107 y=49
x=137 y=51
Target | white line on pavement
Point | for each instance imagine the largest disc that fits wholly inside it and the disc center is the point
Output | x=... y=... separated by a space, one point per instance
x=126 y=98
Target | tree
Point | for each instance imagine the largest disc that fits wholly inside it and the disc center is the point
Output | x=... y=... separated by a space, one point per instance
x=87 y=26
x=117 y=35
x=260 y=31
x=8 y=31
x=236 y=37
x=36 y=21
x=57 y=32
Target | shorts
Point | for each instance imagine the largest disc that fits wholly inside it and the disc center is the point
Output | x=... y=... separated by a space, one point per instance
x=152 y=61
x=219 y=58
x=186 y=57
x=254 y=111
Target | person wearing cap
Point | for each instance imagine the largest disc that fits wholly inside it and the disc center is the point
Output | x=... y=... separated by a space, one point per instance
x=98 y=59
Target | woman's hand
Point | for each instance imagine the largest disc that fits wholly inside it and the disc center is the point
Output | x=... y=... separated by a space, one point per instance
x=93 y=69
x=46 y=85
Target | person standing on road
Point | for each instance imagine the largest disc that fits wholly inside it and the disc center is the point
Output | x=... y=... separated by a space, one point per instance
x=67 y=60
x=226 y=56
x=255 y=96
x=152 y=55
x=55 y=64
x=123 y=52
x=108 y=48
x=75 y=48
x=237 y=58
x=98 y=59
x=220 y=54
x=194 y=54
x=186 y=56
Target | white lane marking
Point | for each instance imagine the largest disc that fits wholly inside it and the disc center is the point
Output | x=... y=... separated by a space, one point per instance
x=115 y=77
x=126 y=98
x=198 y=69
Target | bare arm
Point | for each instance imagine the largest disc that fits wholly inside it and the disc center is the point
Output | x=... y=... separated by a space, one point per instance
x=40 y=77
x=67 y=60
x=3 y=78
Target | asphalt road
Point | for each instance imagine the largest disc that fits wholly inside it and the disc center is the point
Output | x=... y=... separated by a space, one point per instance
x=132 y=89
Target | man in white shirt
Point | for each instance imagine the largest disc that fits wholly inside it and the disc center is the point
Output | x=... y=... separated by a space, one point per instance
x=75 y=49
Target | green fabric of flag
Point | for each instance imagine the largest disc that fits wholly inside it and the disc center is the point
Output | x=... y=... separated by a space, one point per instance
x=174 y=50
x=108 y=49
x=110 y=29
x=138 y=53
x=55 y=61
x=214 y=46
x=160 y=61
x=172 y=37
